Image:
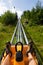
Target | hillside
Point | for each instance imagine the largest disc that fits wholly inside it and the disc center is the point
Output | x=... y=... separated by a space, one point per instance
x=36 y=32
x=5 y=35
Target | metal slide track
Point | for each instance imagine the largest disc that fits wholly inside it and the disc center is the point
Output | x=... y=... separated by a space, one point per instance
x=20 y=34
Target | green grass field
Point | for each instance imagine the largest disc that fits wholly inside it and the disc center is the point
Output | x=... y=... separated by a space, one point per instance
x=5 y=35
x=36 y=33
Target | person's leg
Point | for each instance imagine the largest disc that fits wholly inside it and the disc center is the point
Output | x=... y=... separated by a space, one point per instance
x=31 y=59
x=6 y=61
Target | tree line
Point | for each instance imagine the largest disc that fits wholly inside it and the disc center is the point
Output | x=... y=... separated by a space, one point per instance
x=9 y=18
x=33 y=17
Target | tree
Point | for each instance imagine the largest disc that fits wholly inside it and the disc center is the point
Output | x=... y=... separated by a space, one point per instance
x=35 y=16
x=38 y=5
x=9 y=18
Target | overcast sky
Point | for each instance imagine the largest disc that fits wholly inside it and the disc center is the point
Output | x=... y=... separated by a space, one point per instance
x=20 y=5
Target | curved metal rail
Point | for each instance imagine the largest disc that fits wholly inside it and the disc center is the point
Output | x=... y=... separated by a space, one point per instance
x=20 y=34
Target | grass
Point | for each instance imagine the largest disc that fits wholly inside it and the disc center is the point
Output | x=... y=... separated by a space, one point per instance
x=36 y=33
x=5 y=35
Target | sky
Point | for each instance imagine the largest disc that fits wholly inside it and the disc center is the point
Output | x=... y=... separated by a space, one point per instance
x=20 y=5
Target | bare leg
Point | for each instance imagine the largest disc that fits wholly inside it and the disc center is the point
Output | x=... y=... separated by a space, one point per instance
x=6 y=61
x=31 y=59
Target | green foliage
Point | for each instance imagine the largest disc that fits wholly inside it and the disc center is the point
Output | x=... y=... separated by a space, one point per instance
x=36 y=33
x=34 y=17
x=6 y=33
x=9 y=18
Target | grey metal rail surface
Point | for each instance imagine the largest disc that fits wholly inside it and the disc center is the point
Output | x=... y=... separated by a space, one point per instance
x=13 y=34
x=18 y=34
x=19 y=31
x=25 y=37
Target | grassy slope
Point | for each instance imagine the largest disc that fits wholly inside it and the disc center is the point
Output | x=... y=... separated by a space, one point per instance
x=36 y=33
x=5 y=35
